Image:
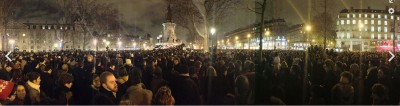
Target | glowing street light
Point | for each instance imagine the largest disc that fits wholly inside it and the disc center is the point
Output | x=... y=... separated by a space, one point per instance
x=11 y=41
x=23 y=35
x=236 y=38
x=107 y=43
x=95 y=41
x=308 y=28
x=212 y=31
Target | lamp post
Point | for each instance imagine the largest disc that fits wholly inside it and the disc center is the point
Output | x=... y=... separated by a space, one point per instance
x=267 y=33
x=248 y=39
x=95 y=44
x=236 y=42
x=308 y=29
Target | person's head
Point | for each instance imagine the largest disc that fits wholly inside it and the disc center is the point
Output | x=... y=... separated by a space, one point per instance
x=382 y=72
x=96 y=81
x=128 y=62
x=9 y=66
x=328 y=65
x=379 y=92
x=21 y=92
x=210 y=72
x=295 y=69
x=346 y=77
x=112 y=66
x=89 y=58
x=354 y=68
x=242 y=85
x=108 y=81
x=248 y=66
x=135 y=76
x=64 y=67
x=197 y=64
x=158 y=73
x=34 y=77
x=182 y=69
x=175 y=60
x=164 y=97
x=66 y=80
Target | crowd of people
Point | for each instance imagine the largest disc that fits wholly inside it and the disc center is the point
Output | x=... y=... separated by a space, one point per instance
x=191 y=77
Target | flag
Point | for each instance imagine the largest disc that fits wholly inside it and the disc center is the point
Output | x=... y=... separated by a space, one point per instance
x=6 y=88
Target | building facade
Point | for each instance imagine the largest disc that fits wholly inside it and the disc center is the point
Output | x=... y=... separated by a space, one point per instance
x=366 y=29
x=42 y=37
x=247 y=37
x=297 y=36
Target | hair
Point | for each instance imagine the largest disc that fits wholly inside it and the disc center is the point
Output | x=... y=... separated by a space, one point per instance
x=354 y=68
x=64 y=67
x=329 y=63
x=65 y=78
x=248 y=66
x=347 y=75
x=103 y=77
x=135 y=76
x=379 y=90
x=32 y=76
x=164 y=97
x=197 y=63
x=210 y=72
x=122 y=71
x=94 y=76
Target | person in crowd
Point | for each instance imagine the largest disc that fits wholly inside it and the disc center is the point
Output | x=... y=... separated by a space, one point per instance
x=380 y=95
x=148 y=72
x=122 y=82
x=163 y=97
x=209 y=85
x=108 y=90
x=7 y=73
x=47 y=80
x=184 y=90
x=19 y=97
x=317 y=95
x=330 y=78
x=112 y=69
x=64 y=95
x=293 y=83
x=33 y=87
x=137 y=93
x=343 y=92
x=158 y=80
x=242 y=90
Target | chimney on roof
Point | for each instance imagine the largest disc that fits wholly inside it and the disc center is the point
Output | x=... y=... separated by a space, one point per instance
x=369 y=8
x=387 y=8
x=351 y=8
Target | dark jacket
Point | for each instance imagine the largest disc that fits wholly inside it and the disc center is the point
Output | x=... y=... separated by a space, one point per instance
x=104 y=98
x=62 y=96
x=185 y=91
x=47 y=84
x=4 y=75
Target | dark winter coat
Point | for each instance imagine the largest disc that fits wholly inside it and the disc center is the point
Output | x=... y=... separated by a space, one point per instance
x=185 y=91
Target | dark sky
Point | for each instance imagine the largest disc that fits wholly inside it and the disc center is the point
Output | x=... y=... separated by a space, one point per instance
x=147 y=15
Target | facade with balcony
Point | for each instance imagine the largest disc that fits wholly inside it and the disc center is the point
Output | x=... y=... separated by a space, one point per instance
x=366 y=29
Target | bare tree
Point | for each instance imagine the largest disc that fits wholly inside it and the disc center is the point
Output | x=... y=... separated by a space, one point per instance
x=96 y=19
x=200 y=15
x=8 y=7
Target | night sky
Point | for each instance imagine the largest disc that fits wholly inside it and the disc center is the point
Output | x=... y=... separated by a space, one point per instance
x=146 y=16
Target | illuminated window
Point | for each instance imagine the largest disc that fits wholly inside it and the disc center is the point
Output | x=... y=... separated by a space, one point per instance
x=385 y=36
x=372 y=29
x=372 y=15
x=348 y=15
x=398 y=18
x=385 y=23
x=348 y=22
x=391 y=36
x=379 y=36
x=366 y=15
x=391 y=17
x=359 y=15
x=338 y=22
x=379 y=29
x=385 y=29
x=372 y=22
x=342 y=22
x=385 y=16
x=379 y=22
x=372 y=36
x=366 y=29
x=379 y=16
x=348 y=35
x=365 y=21
x=354 y=15
x=354 y=22
x=342 y=35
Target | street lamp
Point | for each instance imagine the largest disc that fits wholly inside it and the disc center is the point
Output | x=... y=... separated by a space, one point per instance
x=212 y=31
x=308 y=29
x=23 y=35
